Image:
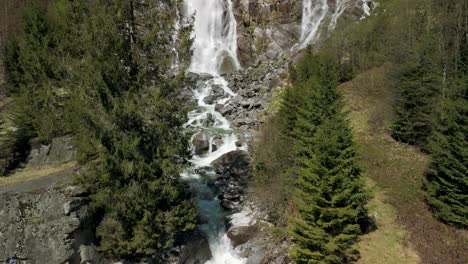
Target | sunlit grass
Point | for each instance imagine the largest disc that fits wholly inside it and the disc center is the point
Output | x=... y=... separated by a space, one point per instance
x=35 y=172
x=369 y=106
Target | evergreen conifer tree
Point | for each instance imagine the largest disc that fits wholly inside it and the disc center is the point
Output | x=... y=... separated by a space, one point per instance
x=329 y=196
x=447 y=180
x=329 y=192
x=420 y=88
x=102 y=69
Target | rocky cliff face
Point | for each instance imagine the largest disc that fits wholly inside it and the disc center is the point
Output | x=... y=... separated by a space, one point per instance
x=266 y=28
x=50 y=226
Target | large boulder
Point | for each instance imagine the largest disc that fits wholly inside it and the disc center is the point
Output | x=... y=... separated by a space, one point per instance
x=47 y=226
x=61 y=150
x=201 y=142
x=227 y=65
x=241 y=234
x=233 y=169
x=235 y=163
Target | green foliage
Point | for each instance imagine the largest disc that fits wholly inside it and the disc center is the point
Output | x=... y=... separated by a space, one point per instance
x=425 y=76
x=420 y=87
x=14 y=141
x=311 y=164
x=329 y=197
x=329 y=193
x=447 y=180
x=33 y=72
x=101 y=71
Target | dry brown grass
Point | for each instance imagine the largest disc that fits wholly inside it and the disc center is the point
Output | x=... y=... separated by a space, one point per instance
x=389 y=243
x=35 y=172
x=397 y=170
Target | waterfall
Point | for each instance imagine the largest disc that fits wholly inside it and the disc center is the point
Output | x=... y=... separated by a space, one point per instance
x=340 y=7
x=367 y=7
x=214 y=48
x=313 y=13
x=215 y=34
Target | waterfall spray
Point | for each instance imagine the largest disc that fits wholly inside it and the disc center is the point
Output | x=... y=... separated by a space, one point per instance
x=313 y=13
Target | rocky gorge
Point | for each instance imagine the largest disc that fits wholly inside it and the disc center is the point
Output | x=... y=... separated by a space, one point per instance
x=52 y=224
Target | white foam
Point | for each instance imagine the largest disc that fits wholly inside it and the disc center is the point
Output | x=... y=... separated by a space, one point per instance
x=313 y=13
x=215 y=38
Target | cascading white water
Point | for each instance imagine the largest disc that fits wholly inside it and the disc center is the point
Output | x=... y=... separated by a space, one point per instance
x=215 y=33
x=367 y=7
x=313 y=13
x=215 y=40
x=340 y=7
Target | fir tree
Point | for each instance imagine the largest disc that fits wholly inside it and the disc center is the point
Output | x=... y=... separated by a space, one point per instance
x=329 y=196
x=101 y=71
x=329 y=193
x=420 y=89
x=447 y=180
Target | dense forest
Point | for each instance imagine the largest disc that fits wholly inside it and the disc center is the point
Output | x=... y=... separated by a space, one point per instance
x=308 y=172
x=79 y=69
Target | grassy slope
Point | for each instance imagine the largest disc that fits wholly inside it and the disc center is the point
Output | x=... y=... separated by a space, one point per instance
x=407 y=231
x=30 y=173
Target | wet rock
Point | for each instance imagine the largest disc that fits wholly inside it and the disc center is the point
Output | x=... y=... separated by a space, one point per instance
x=209 y=121
x=217 y=90
x=233 y=169
x=229 y=205
x=241 y=234
x=228 y=64
x=231 y=196
x=234 y=160
x=226 y=110
x=218 y=107
x=210 y=99
x=186 y=95
x=217 y=143
x=194 y=249
x=201 y=143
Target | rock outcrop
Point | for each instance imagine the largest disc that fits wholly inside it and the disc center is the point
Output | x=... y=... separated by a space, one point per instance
x=48 y=226
x=232 y=169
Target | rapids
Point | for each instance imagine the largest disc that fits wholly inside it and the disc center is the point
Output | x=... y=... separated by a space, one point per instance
x=215 y=40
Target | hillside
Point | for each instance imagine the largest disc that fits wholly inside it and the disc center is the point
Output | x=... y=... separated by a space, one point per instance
x=395 y=171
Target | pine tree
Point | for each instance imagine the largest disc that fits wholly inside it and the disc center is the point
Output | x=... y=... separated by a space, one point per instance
x=329 y=196
x=447 y=180
x=329 y=193
x=420 y=89
x=132 y=113
x=103 y=70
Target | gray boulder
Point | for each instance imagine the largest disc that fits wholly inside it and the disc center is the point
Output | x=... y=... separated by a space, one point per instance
x=61 y=150
x=201 y=142
x=241 y=234
x=47 y=226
